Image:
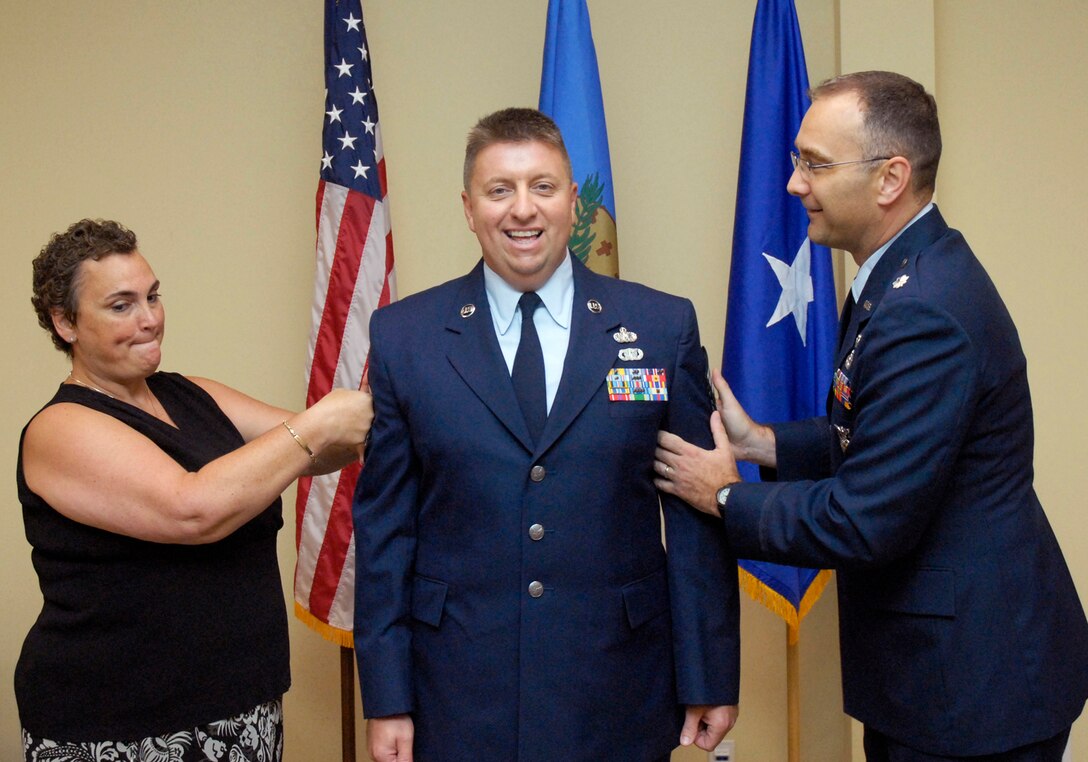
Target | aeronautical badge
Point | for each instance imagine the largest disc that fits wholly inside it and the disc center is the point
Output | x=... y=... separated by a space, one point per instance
x=637 y=385
x=842 y=389
x=849 y=360
x=631 y=354
x=900 y=281
x=843 y=434
x=623 y=336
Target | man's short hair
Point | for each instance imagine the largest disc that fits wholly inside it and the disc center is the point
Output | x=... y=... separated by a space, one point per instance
x=513 y=125
x=900 y=119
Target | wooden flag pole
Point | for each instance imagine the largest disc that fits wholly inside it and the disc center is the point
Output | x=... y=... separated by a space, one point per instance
x=347 y=703
x=793 y=693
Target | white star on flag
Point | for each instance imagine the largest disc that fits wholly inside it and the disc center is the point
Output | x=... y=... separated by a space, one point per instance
x=796 y=282
x=344 y=68
x=347 y=141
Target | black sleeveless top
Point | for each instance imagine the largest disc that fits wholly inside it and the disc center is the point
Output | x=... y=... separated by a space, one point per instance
x=139 y=638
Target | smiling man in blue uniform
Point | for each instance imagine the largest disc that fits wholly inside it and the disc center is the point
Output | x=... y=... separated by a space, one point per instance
x=514 y=600
x=962 y=635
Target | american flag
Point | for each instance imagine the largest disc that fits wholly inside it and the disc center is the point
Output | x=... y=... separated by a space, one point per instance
x=354 y=276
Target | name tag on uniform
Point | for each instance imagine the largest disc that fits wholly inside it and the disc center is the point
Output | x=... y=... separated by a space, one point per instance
x=637 y=385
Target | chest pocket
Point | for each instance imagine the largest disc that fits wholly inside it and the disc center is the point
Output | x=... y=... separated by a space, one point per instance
x=639 y=392
x=636 y=409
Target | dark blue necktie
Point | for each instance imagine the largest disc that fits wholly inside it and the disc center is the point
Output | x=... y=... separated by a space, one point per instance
x=528 y=374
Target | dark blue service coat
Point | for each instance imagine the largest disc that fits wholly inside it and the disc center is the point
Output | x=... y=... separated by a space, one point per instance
x=457 y=515
x=961 y=631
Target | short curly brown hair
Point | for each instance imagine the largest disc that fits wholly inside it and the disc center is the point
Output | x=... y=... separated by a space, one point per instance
x=56 y=268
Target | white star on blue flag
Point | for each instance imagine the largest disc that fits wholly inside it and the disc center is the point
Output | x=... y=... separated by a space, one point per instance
x=796 y=285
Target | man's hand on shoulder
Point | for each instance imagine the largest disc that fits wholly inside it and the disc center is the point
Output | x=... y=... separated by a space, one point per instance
x=706 y=726
x=751 y=441
x=693 y=474
x=389 y=739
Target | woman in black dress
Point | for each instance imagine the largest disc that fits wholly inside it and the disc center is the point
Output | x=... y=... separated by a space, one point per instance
x=152 y=502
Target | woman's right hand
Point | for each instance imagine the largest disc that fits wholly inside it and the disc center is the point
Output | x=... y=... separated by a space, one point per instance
x=98 y=471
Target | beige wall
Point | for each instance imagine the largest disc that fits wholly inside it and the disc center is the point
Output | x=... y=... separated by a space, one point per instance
x=197 y=125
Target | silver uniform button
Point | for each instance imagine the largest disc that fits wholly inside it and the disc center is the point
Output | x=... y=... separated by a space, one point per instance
x=536 y=589
x=536 y=532
x=537 y=473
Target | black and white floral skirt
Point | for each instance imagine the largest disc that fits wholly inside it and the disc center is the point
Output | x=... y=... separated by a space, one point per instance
x=253 y=736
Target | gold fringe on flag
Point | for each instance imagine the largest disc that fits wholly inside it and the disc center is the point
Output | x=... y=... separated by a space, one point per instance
x=762 y=594
x=342 y=638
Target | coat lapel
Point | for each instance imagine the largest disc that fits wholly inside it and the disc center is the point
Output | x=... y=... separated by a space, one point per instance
x=473 y=351
x=915 y=238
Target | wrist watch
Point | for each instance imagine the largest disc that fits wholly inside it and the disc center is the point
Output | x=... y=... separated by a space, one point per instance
x=723 y=496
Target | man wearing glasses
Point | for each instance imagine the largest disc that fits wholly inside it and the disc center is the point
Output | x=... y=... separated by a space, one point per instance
x=961 y=633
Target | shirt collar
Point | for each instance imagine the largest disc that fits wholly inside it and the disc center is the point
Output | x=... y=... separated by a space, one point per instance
x=557 y=294
x=869 y=264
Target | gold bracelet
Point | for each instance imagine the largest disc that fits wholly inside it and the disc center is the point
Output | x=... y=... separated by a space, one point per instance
x=303 y=445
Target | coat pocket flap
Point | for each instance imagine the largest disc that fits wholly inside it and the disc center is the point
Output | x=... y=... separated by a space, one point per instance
x=428 y=600
x=923 y=592
x=646 y=598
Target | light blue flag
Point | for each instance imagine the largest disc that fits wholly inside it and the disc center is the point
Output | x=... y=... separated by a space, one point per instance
x=570 y=93
x=781 y=320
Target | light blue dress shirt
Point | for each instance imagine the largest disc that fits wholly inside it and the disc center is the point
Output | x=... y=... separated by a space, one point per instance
x=552 y=322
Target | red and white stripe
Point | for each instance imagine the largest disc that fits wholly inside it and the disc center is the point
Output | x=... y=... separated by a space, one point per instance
x=354 y=277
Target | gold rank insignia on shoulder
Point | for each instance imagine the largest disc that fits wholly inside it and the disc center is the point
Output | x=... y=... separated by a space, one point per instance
x=594 y=306
x=623 y=336
x=900 y=281
x=467 y=310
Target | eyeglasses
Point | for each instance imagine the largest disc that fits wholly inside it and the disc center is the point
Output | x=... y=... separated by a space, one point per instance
x=807 y=167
